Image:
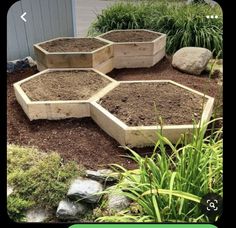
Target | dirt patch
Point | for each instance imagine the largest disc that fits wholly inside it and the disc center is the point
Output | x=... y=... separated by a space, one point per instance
x=130 y=36
x=64 y=85
x=73 y=45
x=82 y=140
x=139 y=104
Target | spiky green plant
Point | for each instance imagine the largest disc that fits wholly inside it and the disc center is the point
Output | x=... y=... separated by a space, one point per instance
x=169 y=187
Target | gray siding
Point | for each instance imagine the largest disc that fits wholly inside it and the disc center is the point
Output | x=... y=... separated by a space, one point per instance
x=46 y=19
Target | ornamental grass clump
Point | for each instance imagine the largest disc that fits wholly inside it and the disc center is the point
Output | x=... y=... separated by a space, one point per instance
x=169 y=186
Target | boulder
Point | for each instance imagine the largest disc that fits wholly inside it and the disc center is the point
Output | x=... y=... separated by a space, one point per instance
x=101 y=175
x=117 y=201
x=85 y=189
x=37 y=215
x=68 y=210
x=192 y=60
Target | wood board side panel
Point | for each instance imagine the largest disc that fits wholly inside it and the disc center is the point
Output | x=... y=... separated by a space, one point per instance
x=106 y=66
x=133 y=49
x=148 y=137
x=159 y=44
x=102 y=55
x=107 y=124
x=55 y=111
x=69 y=60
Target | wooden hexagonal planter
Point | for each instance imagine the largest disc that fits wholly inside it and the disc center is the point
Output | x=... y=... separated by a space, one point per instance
x=42 y=99
x=72 y=52
x=140 y=136
x=136 y=48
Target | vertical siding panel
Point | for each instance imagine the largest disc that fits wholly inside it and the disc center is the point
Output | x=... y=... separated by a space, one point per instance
x=46 y=19
x=12 y=44
x=20 y=33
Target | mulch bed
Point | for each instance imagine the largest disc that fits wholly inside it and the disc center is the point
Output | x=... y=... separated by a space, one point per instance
x=73 y=45
x=81 y=139
x=139 y=104
x=130 y=36
x=64 y=85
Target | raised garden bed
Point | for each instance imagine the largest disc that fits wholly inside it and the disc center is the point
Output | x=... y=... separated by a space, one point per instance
x=136 y=48
x=129 y=113
x=71 y=52
x=61 y=93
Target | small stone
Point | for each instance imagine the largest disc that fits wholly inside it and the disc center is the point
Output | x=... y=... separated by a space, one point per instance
x=85 y=189
x=68 y=210
x=192 y=60
x=37 y=215
x=102 y=175
x=117 y=201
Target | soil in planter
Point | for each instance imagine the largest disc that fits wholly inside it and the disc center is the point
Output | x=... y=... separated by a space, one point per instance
x=130 y=36
x=139 y=104
x=64 y=85
x=73 y=45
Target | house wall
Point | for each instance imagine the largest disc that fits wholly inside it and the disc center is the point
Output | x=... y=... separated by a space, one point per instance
x=46 y=19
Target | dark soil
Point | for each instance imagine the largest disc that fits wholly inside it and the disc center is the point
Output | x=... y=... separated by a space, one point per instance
x=130 y=36
x=81 y=139
x=64 y=85
x=73 y=45
x=139 y=104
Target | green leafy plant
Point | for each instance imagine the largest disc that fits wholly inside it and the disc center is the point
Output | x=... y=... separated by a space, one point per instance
x=169 y=187
x=184 y=24
x=39 y=178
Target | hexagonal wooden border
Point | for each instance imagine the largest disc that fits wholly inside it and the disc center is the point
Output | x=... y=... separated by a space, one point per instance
x=141 y=136
x=53 y=110
x=101 y=58
x=137 y=54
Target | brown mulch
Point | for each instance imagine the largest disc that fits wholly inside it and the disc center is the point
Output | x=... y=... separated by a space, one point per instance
x=73 y=45
x=81 y=139
x=64 y=85
x=130 y=36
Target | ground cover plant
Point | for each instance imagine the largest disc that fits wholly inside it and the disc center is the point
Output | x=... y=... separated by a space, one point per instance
x=184 y=24
x=167 y=187
x=38 y=179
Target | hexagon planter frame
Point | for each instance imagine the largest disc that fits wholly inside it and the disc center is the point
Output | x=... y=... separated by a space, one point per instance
x=141 y=136
x=101 y=58
x=137 y=54
x=62 y=109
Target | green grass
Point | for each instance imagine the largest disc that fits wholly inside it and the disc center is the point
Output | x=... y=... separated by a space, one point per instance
x=185 y=25
x=169 y=188
x=37 y=178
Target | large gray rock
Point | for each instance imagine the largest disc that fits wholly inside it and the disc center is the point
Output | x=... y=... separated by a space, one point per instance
x=85 y=189
x=37 y=215
x=192 y=60
x=101 y=175
x=117 y=201
x=68 y=210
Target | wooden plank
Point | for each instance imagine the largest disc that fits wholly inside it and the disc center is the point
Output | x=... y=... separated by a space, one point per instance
x=40 y=66
x=159 y=44
x=133 y=49
x=110 y=124
x=159 y=56
x=40 y=56
x=148 y=137
x=132 y=61
x=55 y=111
x=69 y=60
x=102 y=54
x=105 y=67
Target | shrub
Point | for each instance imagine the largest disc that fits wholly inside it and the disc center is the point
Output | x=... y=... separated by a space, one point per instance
x=37 y=178
x=184 y=24
x=169 y=188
